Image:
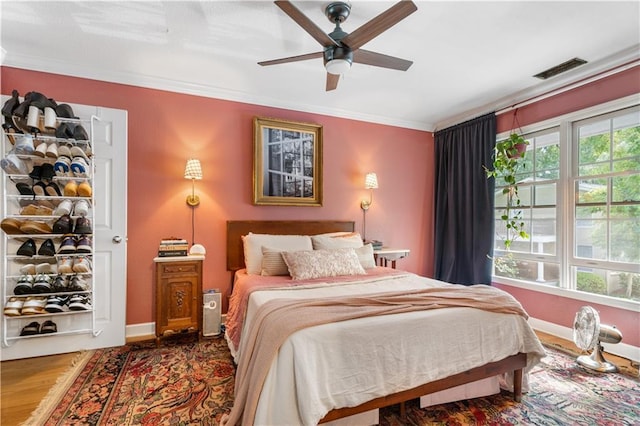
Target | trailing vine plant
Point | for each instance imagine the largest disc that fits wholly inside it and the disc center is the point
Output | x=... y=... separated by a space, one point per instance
x=507 y=161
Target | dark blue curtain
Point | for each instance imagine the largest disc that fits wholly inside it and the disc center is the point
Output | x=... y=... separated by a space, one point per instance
x=464 y=223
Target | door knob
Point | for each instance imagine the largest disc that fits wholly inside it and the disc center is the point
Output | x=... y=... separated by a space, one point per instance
x=117 y=239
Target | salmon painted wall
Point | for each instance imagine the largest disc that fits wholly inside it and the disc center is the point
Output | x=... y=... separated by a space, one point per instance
x=548 y=307
x=165 y=129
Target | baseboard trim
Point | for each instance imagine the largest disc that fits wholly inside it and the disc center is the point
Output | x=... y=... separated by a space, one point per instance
x=147 y=330
x=621 y=349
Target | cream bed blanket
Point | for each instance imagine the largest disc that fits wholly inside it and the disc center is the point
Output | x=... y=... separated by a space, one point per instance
x=314 y=373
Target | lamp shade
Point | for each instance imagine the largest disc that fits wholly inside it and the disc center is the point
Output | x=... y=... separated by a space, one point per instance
x=371 y=181
x=193 y=169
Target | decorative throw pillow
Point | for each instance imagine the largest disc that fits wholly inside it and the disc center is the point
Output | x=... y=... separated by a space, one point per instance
x=336 y=241
x=273 y=263
x=304 y=265
x=365 y=256
x=253 y=244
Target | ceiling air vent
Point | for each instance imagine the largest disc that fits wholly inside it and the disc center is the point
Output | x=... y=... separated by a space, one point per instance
x=558 y=69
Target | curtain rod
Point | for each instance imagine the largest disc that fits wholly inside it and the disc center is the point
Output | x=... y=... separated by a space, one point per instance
x=570 y=86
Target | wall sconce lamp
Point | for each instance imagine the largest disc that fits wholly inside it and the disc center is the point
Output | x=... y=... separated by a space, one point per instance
x=193 y=171
x=370 y=183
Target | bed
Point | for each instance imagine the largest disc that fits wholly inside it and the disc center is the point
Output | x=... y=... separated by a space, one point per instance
x=350 y=368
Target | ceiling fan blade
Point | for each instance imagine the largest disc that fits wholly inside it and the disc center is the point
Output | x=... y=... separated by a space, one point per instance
x=379 y=24
x=367 y=57
x=307 y=24
x=332 y=81
x=292 y=59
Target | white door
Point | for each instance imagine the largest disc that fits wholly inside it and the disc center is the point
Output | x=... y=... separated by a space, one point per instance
x=109 y=133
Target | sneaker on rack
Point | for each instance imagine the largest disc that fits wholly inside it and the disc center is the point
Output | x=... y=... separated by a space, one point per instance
x=77 y=283
x=84 y=245
x=42 y=284
x=68 y=245
x=81 y=264
x=65 y=265
x=79 y=302
x=56 y=304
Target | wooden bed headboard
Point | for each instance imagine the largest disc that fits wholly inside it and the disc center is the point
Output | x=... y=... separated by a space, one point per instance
x=237 y=228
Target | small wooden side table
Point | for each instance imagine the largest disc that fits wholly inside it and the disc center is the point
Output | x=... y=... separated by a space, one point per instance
x=178 y=295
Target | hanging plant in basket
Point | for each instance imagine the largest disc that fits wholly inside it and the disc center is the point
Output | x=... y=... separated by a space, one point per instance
x=507 y=161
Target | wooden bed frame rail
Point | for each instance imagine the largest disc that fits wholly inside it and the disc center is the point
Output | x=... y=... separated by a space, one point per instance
x=515 y=363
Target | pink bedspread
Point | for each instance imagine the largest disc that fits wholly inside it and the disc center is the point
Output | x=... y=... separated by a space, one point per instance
x=245 y=284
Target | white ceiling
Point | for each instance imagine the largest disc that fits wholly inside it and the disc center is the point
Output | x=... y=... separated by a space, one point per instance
x=469 y=57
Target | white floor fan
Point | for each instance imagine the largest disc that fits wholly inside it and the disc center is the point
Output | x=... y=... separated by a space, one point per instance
x=588 y=334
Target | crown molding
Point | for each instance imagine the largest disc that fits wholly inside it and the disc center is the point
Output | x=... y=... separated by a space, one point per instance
x=151 y=82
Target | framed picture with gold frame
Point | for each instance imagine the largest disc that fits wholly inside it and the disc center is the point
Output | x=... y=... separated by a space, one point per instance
x=287 y=163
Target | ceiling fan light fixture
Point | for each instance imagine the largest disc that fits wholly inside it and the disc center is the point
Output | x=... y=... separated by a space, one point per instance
x=338 y=66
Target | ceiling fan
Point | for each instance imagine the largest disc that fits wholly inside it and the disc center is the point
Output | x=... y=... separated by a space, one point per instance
x=341 y=49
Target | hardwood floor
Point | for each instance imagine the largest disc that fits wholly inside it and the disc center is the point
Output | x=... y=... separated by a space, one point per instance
x=25 y=383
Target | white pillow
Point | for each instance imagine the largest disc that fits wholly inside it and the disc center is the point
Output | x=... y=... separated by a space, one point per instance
x=253 y=247
x=365 y=256
x=273 y=263
x=304 y=265
x=333 y=241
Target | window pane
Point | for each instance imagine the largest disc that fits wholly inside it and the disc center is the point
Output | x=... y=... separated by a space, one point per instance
x=593 y=234
x=593 y=143
x=607 y=282
x=591 y=191
x=625 y=241
x=547 y=273
x=543 y=231
x=626 y=188
x=545 y=195
x=626 y=135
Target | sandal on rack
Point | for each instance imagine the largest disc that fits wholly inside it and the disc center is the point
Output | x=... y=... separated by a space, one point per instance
x=48 y=327
x=31 y=329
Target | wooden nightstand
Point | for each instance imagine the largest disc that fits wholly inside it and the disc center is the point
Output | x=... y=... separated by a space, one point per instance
x=385 y=255
x=178 y=295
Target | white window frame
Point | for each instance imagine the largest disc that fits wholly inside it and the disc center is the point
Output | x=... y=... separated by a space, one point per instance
x=565 y=211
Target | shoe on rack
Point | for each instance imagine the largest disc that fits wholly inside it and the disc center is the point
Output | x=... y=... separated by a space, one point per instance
x=63 y=208
x=41 y=150
x=24 y=189
x=83 y=245
x=82 y=265
x=47 y=248
x=12 y=165
x=24 y=285
x=28 y=248
x=36 y=210
x=70 y=189
x=47 y=172
x=80 y=134
x=24 y=145
x=60 y=283
x=65 y=264
x=36 y=172
x=39 y=188
x=67 y=246
x=64 y=151
x=79 y=167
x=81 y=208
x=65 y=111
x=11 y=225
x=77 y=283
x=64 y=130
x=52 y=150
x=62 y=166
x=56 y=304
x=11 y=104
x=31 y=329
x=53 y=190
x=83 y=226
x=48 y=327
x=84 y=189
x=33 y=227
x=64 y=225
x=77 y=151
x=42 y=284
x=13 y=307
x=46 y=268
x=79 y=302
x=34 y=305
x=28 y=269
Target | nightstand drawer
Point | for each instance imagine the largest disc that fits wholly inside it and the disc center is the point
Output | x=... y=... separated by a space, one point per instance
x=178 y=268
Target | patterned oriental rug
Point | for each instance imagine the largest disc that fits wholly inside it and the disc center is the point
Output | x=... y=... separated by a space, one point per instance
x=185 y=382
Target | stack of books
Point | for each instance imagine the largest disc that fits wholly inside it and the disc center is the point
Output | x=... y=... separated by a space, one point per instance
x=173 y=247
